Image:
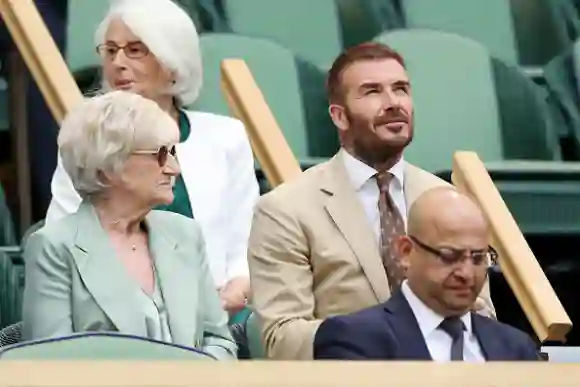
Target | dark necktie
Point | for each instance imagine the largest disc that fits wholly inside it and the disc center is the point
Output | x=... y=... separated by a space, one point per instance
x=392 y=226
x=454 y=327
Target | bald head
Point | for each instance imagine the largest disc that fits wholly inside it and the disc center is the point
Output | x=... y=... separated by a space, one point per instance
x=444 y=208
x=444 y=227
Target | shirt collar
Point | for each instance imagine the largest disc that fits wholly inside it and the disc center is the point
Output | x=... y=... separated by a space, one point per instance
x=359 y=172
x=426 y=317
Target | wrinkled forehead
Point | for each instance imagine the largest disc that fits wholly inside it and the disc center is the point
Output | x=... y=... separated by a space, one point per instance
x=377 y=71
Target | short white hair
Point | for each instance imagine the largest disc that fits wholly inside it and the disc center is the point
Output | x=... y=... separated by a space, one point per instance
x=169 y=33
x=102 y=132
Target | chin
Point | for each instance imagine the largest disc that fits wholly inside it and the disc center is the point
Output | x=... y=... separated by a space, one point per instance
x=164 y=200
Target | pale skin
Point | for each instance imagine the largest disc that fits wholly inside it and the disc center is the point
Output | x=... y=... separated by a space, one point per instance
x=147 y=77
x=444 y=218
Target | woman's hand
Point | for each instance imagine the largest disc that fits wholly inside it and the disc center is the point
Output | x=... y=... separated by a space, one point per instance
x=234 y=294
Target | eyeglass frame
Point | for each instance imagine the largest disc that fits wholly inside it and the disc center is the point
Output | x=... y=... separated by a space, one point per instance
x=124 y=48
x=492 y=255
x=162 y=153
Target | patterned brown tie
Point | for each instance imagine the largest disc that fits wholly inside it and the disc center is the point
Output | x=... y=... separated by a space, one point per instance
x=391 y=226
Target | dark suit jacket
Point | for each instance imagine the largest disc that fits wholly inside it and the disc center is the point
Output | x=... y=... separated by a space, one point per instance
x=390 y=331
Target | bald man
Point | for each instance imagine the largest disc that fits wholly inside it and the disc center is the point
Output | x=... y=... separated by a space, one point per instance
x=446 y=257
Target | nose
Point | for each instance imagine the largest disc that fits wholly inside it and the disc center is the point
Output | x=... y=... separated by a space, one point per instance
x=391 y=100
x=465 y=269
x=172 y=167
x=119 y=59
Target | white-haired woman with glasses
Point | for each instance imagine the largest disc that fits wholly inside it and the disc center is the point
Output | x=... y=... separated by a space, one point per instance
x=114 y=264
x=151 y=47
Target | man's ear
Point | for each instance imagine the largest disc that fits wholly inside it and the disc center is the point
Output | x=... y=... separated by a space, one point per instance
x=338 y=115
x=403 y=248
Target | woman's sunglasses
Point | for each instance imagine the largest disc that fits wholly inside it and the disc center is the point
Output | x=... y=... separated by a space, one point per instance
x=162 y=154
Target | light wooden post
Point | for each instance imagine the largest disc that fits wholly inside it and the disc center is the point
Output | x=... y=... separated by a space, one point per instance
x=519 y=265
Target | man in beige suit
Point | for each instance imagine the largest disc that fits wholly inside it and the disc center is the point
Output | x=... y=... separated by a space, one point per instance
x=320 y=245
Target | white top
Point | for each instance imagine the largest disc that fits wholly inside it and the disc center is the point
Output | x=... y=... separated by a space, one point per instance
x=362 y=177
x=217 y=166
x=438 y=341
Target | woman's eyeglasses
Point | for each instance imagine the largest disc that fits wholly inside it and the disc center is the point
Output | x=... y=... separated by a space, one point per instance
x=133 y=50
x=162 y=154
x=451 y=256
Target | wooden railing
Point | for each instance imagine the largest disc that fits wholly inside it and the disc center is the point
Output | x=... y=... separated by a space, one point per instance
x=287 y=374
x=533 y=291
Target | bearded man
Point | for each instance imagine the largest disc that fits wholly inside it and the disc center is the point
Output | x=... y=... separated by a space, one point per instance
x=321 y=245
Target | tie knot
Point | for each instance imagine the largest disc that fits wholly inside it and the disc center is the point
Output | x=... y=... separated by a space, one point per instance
x=383 y=180
x=453 y=326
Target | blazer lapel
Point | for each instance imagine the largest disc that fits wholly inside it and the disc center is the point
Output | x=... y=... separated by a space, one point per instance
x=412 y=345
x=490 y=342
x=202 y=168
x=348 y=215
x=176 y=281
x=412 y=186
x=104 y=275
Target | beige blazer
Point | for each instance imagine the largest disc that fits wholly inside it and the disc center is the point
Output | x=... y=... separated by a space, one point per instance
x=75 y=283
x=313 y=254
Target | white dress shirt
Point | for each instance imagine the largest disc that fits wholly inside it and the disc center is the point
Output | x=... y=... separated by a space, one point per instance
x=438 y=341
x=362 y=177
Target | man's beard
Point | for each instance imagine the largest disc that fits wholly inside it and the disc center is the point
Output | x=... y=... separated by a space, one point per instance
x=377 y=152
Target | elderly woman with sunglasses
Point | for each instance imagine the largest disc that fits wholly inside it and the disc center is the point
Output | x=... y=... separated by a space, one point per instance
x=114 y=264
x=151 y=47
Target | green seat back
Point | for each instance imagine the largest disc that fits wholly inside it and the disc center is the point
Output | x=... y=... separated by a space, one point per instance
x=460 y=109
x=83 y=19
x=515 y=31
x=100 y=346
x=7 y=231
x=488 y=22
x=542 y=29
x=11 y=285
x=254 y=335
x=455 y=109
x=309 y=28
x=361 y=20
x=561 y=77
x=293 y=89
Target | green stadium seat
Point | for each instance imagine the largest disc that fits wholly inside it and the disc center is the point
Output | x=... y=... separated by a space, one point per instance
x=465 y=100
x=83 y=19
x=254 y=335
x=561 y=80
x=516 y=31
x=293 y=89
x=11 y=285
x=309 y=28
x=100 y=346
x=361 y=20
x=7 y=231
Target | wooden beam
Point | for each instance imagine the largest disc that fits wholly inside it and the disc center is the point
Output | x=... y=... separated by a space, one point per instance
x=283 y=373
x=248 y=104
x=519 y=265
x=41 y=55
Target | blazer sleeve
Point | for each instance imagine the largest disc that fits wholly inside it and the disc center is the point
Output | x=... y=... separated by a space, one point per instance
x=65 y=199
x=282 y=280
x=339 y=339
x=46 y=306
x=217 y=339
x=243 y=193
